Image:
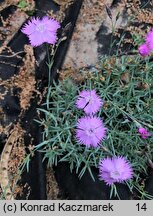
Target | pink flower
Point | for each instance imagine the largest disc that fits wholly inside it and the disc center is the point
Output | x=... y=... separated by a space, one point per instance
x=144 y=133
x=116 y=169
x=89 y=101
x=42 y=30
x=144 y=50
x=90 y=131
x=149 y=39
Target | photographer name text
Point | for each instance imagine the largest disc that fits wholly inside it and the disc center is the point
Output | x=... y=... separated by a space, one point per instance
x=60 y=207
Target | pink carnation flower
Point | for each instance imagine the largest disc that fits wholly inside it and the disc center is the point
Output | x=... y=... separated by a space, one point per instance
x=116 y=169
x=90 y=131
x=144 y=133
x=144 y=50
x=149 y=39
x=89 y=101
x=42 y=30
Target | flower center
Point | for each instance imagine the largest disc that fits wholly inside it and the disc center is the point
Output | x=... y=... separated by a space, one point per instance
x=89 y=99
x=114 y=174
x=90 y=132
x=40 y=27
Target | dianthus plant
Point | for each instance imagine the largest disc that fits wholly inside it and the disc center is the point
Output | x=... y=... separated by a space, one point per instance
x=117 y=132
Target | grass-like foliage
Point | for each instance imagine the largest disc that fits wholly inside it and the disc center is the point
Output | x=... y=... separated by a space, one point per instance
x=125 y=86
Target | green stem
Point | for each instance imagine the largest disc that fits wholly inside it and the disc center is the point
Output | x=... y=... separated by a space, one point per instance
x=51 y=60
x=131 y=117
x=50 y=64
x=114 y=190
